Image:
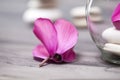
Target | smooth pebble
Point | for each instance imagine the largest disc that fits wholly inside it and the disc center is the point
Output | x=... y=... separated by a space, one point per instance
x=34 y=4
x=80 y=22
x=114 y=48
x=78 y=14
x=111 y=35
x=95 y=14
x=32 y=14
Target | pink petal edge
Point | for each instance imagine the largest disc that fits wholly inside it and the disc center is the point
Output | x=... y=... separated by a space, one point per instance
x=40 y=52
x=67 y=35
x=69 y=56
x=45 y=31
x=116 y=17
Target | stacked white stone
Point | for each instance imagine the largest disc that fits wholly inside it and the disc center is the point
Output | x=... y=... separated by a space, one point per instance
x=79 y=15
x=41 y=9
x=112 y=36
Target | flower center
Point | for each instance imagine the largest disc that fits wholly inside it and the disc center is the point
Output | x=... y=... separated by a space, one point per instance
x=57 y=57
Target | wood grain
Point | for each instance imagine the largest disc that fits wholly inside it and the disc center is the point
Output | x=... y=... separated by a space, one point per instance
x=17 y=42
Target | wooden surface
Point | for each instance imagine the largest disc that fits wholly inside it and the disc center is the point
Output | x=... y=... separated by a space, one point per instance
x=17 y=42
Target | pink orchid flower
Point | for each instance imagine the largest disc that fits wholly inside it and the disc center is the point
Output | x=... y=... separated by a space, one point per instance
x=58 y=40
x=116 y=17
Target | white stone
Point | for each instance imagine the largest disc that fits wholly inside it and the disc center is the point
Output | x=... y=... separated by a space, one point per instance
x=111 y=35
x=96 y=18
x=114 y=48
x=78 y=14
x=78 y=11
x=34 y=4
x=32 y=14
x=41 y=3
x=79 y=17
x=81 y=23
x=95 y=14
x=95 y=10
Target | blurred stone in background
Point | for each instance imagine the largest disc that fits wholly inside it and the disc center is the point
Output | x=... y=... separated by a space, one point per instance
x=78 y=15
x=43 y=9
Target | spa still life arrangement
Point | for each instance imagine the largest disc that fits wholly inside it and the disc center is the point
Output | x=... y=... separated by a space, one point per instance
x=59 y=38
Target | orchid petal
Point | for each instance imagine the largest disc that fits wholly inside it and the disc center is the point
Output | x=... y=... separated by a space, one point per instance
x=67 y=35
x=40 y=52
x=69 y=56
x=116 y=17
x=45 y=31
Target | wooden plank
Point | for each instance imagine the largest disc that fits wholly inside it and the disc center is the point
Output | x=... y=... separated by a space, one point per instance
x=58 y=72
x=21 y=54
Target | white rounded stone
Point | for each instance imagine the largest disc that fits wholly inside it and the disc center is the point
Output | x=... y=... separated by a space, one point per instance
x=114 y=48
x=95 y=10
x=81 y=23
x=111 y=35
x=95 y=18
x=79 y=12
x=34 y=4
x=79 y=17
x=42 y=4
x=95 y=14
x=32 y=14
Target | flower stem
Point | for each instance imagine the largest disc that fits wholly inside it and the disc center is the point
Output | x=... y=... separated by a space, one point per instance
x=43 y=62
